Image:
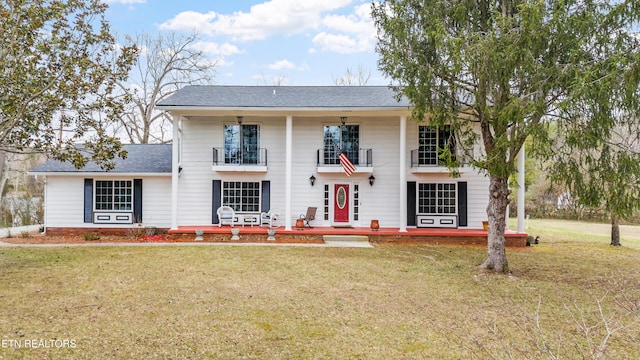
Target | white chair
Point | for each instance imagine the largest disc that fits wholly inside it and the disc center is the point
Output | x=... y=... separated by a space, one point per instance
x=226 y=215
x=269 y=218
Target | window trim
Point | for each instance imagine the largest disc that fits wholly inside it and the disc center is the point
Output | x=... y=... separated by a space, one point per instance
x=131 y=196
x=354 y=154
x=241 y=161
x=423 y=159
x=453 y=201
x=257 y=205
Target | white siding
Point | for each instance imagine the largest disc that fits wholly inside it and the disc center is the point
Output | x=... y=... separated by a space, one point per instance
x=380 y=201
x=64 y=201
x=477 y=183
x=201 y=136
x=156 y=201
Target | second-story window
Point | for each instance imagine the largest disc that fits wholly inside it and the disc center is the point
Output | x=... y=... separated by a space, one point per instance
x=241 y=144
x=432 y=141
x=341 y=138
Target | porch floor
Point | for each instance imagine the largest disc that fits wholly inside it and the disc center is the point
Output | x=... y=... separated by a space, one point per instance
x=383 y=235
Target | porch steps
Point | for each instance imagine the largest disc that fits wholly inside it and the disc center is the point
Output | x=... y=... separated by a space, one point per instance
x=349 y=238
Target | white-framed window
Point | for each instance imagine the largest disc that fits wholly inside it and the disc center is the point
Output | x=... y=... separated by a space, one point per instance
x=241 y=144
x=338 y=139
x=114 y=195
x=326 y=201
x=356 y=202
x=242 y=196
x=432 y=141
x=437 y=199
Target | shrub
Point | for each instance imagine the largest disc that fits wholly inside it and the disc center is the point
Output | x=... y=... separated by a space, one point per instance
x=137 y=231
x=89 y=236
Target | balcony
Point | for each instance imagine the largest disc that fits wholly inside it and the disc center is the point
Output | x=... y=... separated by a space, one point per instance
x=239 y=161
x=430 y=164
x=327 y=160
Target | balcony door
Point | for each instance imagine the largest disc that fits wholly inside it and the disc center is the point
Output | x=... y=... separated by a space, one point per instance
x=339 y=139
x=241 y=144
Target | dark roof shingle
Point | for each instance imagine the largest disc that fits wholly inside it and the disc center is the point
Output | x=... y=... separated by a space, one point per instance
x=141 y=158
x=285 y=97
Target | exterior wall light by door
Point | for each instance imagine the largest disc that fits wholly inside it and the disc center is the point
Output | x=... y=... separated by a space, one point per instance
x=312 y=180
x=372 y=179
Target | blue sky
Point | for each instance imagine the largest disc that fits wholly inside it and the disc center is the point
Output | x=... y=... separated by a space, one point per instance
x=308 y=42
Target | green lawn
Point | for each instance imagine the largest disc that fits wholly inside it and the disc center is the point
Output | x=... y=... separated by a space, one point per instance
x=565 y=230
x=389 y=302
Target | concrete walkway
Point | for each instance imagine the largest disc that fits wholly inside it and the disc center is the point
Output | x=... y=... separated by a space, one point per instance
x=341 y=244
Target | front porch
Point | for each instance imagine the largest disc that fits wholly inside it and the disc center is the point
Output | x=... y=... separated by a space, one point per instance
x=314 y=235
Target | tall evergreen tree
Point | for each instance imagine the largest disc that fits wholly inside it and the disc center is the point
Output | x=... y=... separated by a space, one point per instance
x=503 y=69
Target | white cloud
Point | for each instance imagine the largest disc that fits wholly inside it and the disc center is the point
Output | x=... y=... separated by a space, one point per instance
x=262 y=20
x=336 y=43
x=286 y=64
x=221 y=62
x=213 y=48
x=190 y=21
x=349 y=34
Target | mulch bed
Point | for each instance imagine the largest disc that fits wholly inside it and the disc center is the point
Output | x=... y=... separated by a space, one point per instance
x=39 y=238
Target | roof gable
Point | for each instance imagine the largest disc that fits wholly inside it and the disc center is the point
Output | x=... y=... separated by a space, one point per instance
x=141 y=158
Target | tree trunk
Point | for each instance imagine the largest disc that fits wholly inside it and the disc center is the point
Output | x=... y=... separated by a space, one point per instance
x=497 y=212
x=615 y=231
x=4 y=174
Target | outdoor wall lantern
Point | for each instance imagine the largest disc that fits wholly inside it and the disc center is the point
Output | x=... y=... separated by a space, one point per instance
x=343 y=120
x=312 y=180
x=372 y=179
x=239 y=118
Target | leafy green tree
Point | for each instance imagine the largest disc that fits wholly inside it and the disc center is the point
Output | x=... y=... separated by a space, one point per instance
x=497 y=71
x=60 y=65
x=602 y=172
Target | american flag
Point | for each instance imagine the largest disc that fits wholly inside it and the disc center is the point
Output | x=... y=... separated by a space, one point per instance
x=346 y=164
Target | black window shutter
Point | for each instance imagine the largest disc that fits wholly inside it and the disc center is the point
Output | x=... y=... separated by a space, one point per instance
x=266 y=196
x=216 y=200
x=88 y=200
x=462 y=204
x=411 y=203
x=137 y=200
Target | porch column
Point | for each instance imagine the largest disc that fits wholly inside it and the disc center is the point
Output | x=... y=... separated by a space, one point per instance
x=521 y=189
x=403 y=174
x=288 y=171
x=175 y=169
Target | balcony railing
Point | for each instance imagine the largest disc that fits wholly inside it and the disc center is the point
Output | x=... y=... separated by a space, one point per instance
x=224 y=157
x=429 y=159
x=330 y=157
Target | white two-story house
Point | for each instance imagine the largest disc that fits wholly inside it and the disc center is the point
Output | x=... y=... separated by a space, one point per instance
x=261 y=148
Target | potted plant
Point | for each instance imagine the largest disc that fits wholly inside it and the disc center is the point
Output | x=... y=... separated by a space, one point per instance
x=375 y=225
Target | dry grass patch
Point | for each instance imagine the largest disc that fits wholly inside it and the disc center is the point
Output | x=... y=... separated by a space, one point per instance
x=390 y=302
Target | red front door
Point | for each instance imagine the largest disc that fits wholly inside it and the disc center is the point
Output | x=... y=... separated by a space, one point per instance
x=341 y=203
